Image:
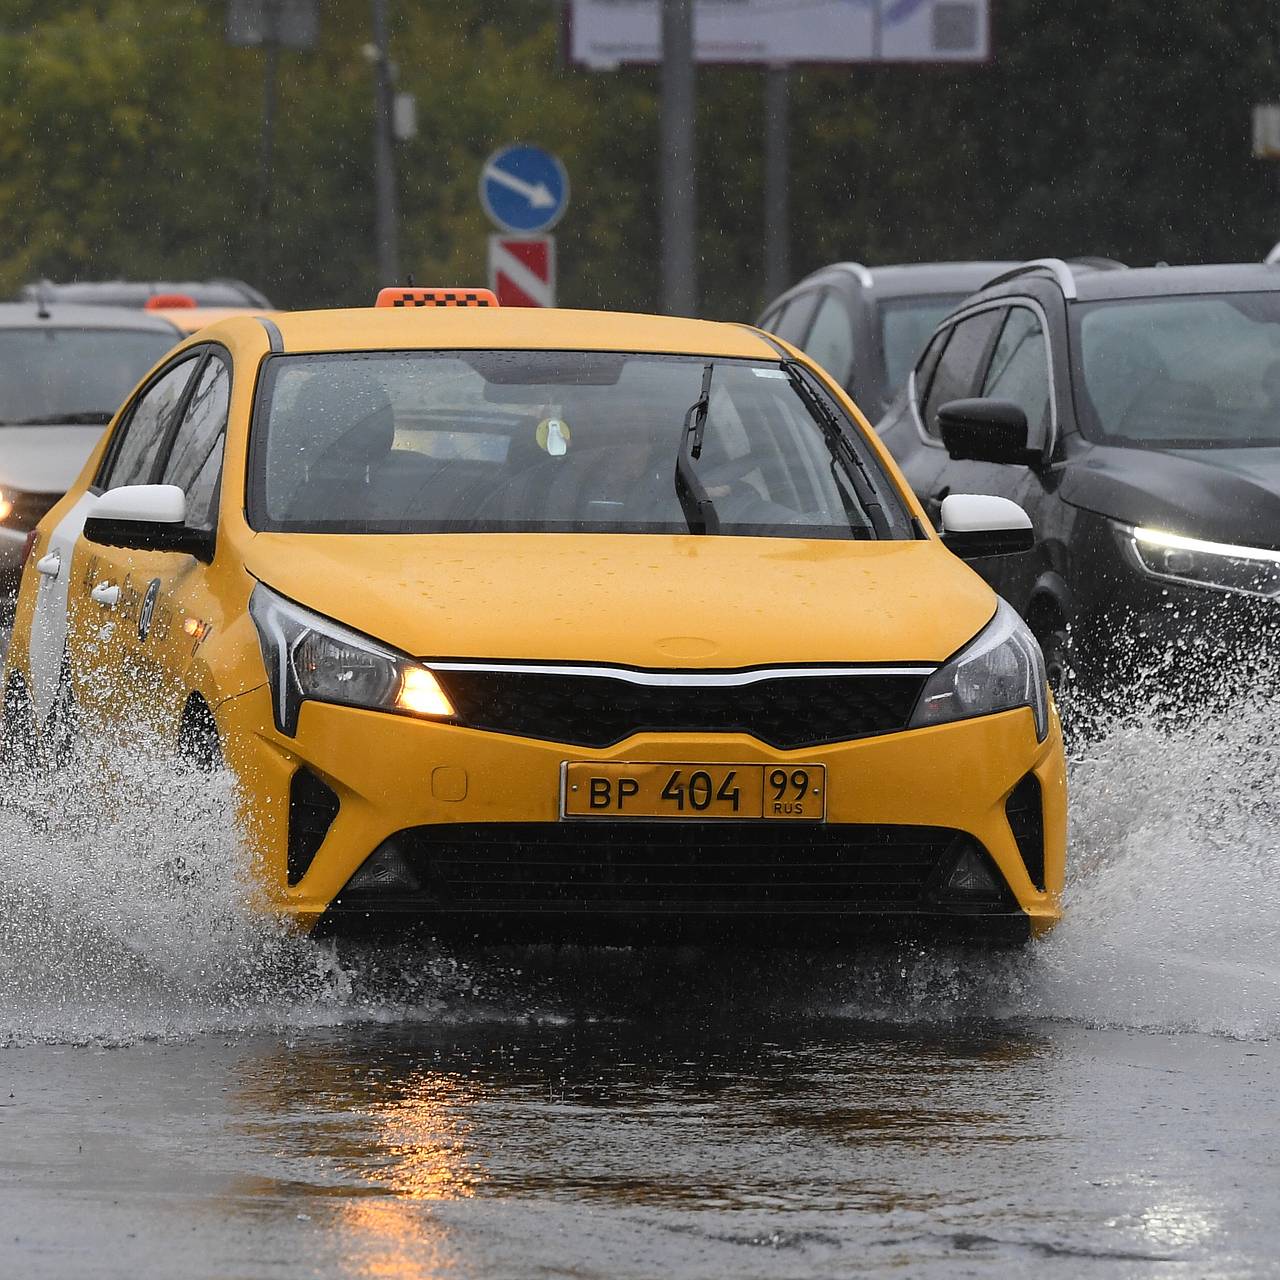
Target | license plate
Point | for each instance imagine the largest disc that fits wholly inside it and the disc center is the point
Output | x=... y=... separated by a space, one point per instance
x=649 y=789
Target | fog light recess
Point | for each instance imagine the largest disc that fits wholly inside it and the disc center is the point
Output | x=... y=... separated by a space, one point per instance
x=385 y=871
x=972 y=879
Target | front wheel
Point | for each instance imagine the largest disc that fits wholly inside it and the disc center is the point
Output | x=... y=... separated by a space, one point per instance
x=17 y=734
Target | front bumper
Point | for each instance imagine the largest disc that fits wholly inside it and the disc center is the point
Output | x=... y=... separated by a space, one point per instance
x=476 y=815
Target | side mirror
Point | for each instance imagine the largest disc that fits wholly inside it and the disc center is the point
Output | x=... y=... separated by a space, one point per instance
x=975 y=524
x=145 y=517
x=986 y=431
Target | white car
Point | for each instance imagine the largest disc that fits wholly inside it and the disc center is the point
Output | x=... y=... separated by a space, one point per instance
x=64 y=371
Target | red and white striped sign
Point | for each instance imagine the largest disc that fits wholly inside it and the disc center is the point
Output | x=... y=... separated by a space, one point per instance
x=522 y=270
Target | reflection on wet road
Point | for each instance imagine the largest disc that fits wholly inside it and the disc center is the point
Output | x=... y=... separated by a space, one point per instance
x=642 y=1148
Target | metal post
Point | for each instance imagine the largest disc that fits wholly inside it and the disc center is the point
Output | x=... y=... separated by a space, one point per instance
x=777 y=180
x=679 y=212
x=266 y=150
x=384 y=178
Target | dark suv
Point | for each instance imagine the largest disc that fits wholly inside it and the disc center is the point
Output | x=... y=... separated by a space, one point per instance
x=1135 y=415
x=866 y=326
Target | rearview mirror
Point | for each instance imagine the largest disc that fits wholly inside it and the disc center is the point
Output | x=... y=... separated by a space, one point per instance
x=977 y=524
x=986 y=431
x=145 y=517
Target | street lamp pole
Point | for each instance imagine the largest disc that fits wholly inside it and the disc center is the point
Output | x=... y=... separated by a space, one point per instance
x=679 y=206
x=384 y=164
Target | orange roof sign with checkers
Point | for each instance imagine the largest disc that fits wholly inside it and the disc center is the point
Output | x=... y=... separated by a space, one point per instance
x=414 y=296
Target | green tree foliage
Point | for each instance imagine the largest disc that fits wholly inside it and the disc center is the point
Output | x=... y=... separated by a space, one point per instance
x=129 y=135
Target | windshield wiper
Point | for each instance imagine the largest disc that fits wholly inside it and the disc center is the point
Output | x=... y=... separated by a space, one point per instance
x=840 y=447
x=94 y=418
x=695 y=501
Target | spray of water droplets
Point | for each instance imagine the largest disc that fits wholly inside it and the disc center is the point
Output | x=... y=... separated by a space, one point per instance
x=129 y=911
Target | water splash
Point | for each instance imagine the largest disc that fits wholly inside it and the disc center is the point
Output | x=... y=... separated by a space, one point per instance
x=128 y=912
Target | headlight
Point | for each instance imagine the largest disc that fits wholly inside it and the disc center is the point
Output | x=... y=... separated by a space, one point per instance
x=1250 y=571
x=1000 y=670
x=311 y=657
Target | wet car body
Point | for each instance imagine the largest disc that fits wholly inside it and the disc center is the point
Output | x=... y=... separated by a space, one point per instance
x=866 y=325
x=1145 y=540
x=442 y=710
x=47 y=426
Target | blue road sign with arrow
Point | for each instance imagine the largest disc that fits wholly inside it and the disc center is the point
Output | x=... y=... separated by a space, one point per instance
x=524 y=189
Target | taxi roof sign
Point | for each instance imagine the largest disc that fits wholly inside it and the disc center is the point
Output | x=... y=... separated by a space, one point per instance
x=415 y=296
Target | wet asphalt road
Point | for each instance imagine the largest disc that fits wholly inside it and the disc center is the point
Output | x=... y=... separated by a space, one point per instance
x=186 y=1093
x=644 y=1148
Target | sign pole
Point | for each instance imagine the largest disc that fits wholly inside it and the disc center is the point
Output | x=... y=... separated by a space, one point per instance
x=384 y=175
x=777 y=180
x=266 y=157
x=679 y=212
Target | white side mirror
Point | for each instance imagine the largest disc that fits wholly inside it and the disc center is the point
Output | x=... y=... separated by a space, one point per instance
x=979 y=524
x=143 y=503
x=147 y=517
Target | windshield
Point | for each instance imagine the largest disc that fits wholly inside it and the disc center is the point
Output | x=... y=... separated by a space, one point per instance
x=906 y=324
x=1186 y=372
x=552 y=441
x=51 y=376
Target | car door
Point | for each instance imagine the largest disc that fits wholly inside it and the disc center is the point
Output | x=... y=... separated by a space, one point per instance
x=126 y=617
x=133 y=450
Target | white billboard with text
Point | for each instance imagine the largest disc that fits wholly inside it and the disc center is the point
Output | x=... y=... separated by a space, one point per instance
x=609 y=33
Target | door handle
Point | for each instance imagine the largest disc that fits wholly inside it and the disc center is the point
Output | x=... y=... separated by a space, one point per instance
x=50 y=565
x=105 y=593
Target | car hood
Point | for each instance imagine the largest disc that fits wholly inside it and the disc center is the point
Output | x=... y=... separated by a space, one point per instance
x=44 y=459
x=638 y=600
x=1223 y=495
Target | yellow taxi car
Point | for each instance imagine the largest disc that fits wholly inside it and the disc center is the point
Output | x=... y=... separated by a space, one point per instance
x=555 y=625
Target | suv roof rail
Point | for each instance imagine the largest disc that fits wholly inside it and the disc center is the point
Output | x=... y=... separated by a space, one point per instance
x=1096 y=262
x=1056 y=267
x=856 y=268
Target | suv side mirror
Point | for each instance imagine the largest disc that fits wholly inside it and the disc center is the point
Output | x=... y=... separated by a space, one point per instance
x=976 y=524
x=145 y=517
x=986 y=431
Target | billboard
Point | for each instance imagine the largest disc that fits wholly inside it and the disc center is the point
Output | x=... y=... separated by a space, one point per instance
x=608 y=33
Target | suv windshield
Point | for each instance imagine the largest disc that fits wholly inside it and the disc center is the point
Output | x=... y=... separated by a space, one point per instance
x=67 y=376
x=554 y=441
x=1190 y=372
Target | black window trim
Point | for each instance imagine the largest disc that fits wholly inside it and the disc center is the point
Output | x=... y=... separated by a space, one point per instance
x=984 y=363
x=197 y=356
x=200 y=355
x=212 y=351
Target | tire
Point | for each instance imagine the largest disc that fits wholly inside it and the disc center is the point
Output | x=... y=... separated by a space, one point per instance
x=1057 y=665
x=18 y=744
x=199 y=744
x=62 y=727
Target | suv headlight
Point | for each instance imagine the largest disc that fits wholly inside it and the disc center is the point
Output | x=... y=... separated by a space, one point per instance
x=1219 y=566
x=1001 y=669
x=312 y=657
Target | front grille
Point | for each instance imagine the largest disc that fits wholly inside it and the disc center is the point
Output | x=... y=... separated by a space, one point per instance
x=1025 y=812
x=724 y=868
x=593 y=710
x=29 y=509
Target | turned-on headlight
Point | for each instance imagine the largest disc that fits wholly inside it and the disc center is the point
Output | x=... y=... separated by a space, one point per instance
x=311 y=657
